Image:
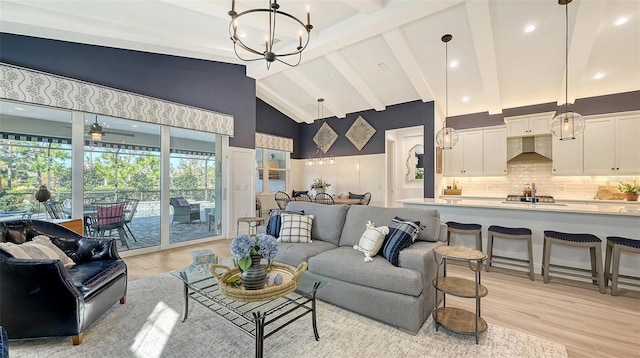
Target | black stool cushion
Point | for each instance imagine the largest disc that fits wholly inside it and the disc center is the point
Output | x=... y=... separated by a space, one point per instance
x=460 y=226
x=571 y=237
x=510 y=230
x=624 y=241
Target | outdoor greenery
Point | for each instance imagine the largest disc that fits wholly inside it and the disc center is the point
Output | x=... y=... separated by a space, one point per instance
x=108 y=173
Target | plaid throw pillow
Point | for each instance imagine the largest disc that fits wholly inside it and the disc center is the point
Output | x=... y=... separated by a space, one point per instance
x=402 y=234
x=275 y=221
x=295 y=228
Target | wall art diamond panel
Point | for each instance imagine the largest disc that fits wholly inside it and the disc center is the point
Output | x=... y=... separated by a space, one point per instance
x=325 y=137
x=360 y=132
x=29 y=86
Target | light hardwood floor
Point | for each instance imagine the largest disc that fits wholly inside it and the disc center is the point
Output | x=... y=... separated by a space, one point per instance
x=575 y=314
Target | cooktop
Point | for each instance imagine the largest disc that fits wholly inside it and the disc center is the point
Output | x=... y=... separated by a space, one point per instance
x=538 y=198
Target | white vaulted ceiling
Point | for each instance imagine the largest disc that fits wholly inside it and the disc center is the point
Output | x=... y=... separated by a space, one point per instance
x=370 y=54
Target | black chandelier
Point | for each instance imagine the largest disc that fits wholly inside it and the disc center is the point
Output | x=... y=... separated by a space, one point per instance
x=269 y=53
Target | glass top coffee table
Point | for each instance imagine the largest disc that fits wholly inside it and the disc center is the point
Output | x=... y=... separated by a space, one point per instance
x=259 y=319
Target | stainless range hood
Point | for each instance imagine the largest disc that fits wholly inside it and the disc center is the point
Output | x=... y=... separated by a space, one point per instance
x=529 y=149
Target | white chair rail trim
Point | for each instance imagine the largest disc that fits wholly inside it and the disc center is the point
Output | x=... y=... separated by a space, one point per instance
x=34 y=87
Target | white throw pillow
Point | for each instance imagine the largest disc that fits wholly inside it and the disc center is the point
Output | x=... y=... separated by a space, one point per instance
x=39 y=248
x=371 y=240
x=295 y=228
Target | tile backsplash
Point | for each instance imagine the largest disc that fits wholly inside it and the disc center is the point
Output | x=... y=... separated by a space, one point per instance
x=525 y=172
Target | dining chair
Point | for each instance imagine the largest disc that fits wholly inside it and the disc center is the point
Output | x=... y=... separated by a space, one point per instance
x=131 y=205
x=366 y=199
x=109 y=217
x=303 y=197
x=324 y=198
x=282 y=199
x=55 y=209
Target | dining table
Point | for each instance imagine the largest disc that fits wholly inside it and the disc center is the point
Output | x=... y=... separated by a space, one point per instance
x=345 y=201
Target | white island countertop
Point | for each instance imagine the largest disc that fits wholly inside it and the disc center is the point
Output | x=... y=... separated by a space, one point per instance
x=603 y=219
x=579 y=207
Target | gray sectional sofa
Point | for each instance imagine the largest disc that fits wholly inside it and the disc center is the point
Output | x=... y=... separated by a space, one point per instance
x=399 y=296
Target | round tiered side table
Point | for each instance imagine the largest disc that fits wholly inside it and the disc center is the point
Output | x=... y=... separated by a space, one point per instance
x=452 y=318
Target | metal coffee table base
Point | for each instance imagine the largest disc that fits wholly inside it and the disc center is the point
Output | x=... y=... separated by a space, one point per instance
x=254 y=318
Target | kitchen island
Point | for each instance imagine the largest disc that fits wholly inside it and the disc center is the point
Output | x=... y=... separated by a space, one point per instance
x=602 y=219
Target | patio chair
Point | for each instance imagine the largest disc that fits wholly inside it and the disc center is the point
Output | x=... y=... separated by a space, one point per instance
x=282 y=199
x=324 y=198
x=108 y=217
x=131 y=205
x=183 y=211
x=55 y=209
x=258 y=207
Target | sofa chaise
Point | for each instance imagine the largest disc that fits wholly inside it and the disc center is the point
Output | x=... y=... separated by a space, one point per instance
x=62 y=296
x=401 y=296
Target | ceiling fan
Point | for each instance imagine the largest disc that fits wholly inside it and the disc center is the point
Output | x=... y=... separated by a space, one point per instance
x=96 y=132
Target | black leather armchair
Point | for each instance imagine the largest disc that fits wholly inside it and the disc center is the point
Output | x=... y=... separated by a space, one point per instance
x=42 y=298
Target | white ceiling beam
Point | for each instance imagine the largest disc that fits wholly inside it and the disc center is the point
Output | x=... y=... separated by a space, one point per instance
x=349 y=73
x=365 y=6
x=587 y=20
x=402 y=51
x=358 y=28
x=482 y=33
x=41 y=22
x=315 y=92
x=271 y=97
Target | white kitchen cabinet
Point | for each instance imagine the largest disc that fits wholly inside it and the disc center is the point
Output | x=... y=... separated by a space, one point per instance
x=528 y=125
x=612 y=144
x=567 y=156
x=495 y=152
x=466 y=157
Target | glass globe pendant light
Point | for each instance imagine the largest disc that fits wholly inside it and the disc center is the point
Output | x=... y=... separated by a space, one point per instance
x=446 y=137
x=568 y=124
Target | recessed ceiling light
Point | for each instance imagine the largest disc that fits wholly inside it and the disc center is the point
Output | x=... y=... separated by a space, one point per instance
x=382 y=67
x=453 y=63
x=621 y=21
x=134 y=126
x=242 y=34
x=598 y=76
x=19 y=109
x=465 y=99
x=529 y=28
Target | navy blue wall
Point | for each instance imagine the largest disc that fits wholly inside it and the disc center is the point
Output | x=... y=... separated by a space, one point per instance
x=215 y=86
x=403 y=115
x=619 y=102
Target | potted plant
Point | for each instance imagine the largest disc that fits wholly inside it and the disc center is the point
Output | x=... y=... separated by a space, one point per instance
x=320 y=185
x=631 y=191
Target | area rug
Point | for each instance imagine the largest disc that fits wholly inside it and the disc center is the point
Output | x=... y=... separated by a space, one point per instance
x=149 y=326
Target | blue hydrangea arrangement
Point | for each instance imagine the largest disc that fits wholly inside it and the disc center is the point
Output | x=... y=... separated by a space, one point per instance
x=243 y=246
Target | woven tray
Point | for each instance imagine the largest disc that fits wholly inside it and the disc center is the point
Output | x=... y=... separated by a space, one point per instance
x=290 y=280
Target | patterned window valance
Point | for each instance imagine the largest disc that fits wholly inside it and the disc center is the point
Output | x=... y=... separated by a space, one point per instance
x=29 y=86
x=274 y=142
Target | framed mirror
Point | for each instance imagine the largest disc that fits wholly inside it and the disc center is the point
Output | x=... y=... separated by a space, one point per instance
x=415 y=163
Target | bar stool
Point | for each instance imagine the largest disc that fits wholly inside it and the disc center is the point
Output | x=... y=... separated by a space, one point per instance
x=511 y=234
x=467 y=229
x=576 y=240
x=616 y=244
